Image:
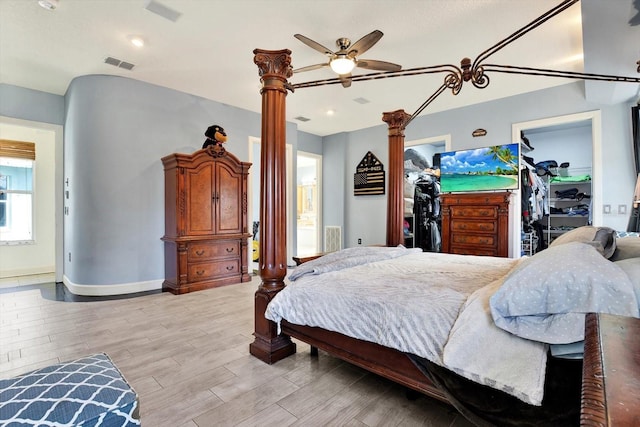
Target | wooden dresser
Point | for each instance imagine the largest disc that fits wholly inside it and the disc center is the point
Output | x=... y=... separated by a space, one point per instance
x=475 y=223
x=206 y=231
x=611 y=371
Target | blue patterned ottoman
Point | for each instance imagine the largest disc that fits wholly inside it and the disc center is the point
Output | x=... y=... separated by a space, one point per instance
x=89 y=391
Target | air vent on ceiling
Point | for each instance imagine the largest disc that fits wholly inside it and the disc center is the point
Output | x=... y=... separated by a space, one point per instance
x=118 y=63
x=163 y=11
x=302 y=119
x=362 y=100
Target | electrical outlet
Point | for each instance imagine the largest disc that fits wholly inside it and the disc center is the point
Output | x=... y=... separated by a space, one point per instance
x=606 y=209
x=359 y=241
x=622 y=209
x=69 y=256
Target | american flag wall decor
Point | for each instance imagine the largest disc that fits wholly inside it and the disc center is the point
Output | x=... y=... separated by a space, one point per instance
x=369 y=177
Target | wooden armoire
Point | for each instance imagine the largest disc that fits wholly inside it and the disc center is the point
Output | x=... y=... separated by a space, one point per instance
x=206 y=229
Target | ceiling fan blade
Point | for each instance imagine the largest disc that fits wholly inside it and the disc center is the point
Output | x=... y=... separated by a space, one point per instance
x=310 y=68
x=365 y=43
x=313 y=44
x=372 y=64
x=345 y=79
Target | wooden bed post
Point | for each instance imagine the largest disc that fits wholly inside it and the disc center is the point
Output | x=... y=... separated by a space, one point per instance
x=274 y=69
x=395 y=199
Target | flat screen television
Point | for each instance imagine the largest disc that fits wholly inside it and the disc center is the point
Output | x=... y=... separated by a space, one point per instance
x=481 y=169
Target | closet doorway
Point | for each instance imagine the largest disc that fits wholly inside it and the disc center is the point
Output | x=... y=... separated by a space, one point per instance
x=309 y=203
x=587 y=124
x=422 y=223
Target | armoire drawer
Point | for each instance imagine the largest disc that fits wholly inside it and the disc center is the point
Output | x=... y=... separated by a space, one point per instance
x=474 y=212
x=474 y=226
x=212 y=250
x=214 y=269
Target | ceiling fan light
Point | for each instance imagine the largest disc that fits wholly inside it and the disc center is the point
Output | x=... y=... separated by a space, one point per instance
x=342 y=65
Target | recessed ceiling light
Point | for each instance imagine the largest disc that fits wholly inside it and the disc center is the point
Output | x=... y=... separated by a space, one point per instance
x=330 y=112
x=48 y=4
x=137 y=41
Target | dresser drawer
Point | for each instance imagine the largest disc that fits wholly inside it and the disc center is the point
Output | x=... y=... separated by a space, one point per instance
x=474 y=212
x=474 y=226
x=462 y=250
x=473 y=239
x=213 y=250
x=214 y=269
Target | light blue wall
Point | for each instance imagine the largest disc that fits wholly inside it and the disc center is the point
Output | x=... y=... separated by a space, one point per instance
x=365 y=216
x=28 y=104
x=309 y=143
x=334 y=180
x=118 y=129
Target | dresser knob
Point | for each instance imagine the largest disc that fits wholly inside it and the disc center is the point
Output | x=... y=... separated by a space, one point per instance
x=229 y=250
x=200 y=272
x=200 y=252
x=229 y=268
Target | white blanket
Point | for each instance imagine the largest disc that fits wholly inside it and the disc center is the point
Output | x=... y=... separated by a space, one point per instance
x=480 y=351
x=411 y=303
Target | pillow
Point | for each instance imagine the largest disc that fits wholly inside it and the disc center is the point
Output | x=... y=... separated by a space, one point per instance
x=603 y=238
x=545 y=297
x=626 y=247
x=631 y=266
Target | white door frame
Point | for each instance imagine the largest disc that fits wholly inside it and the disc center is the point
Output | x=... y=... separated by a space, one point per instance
x=318 y=158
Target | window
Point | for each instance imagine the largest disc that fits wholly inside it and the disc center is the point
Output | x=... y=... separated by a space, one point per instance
x=17 y=161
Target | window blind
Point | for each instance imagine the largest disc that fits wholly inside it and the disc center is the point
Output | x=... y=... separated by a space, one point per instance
x=17 y=149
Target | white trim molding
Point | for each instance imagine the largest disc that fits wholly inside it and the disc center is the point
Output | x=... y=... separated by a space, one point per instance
x=109 y=290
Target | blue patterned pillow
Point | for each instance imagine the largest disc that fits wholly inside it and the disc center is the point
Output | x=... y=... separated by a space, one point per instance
x=89 y=391
x=545 y=297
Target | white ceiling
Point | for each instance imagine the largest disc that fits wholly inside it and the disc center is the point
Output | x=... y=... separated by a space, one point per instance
x=208 y=50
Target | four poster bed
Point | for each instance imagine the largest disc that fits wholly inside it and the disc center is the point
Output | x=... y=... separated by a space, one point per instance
x=452 y=371
x=506 y=374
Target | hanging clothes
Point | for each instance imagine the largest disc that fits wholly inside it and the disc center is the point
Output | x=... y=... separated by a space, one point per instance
x=427 y=214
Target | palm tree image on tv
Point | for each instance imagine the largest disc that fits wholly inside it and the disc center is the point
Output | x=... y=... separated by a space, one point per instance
x=481 y=169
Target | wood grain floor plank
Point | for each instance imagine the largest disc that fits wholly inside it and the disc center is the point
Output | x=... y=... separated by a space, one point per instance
x=247 y=405
x=274 y=415
x=187 y=357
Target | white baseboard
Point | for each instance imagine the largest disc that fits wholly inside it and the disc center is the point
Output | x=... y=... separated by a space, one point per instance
x=27 y=271
x=108 y=290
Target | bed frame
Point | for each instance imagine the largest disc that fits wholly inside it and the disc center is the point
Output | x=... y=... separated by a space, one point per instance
x=274 y=69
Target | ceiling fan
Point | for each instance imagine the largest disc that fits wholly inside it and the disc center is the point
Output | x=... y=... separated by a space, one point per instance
x=344 y=60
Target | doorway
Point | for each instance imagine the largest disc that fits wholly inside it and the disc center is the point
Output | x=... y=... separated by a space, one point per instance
x=422 y=227
x=593 y=120
x=309 y=203
x=40 y=260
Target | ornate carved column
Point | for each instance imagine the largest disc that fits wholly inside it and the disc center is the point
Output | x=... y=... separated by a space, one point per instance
x=395 y=199
x=274 y=69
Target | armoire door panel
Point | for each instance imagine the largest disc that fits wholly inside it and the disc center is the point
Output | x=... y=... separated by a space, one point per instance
x=200 y=212
x=229 y=189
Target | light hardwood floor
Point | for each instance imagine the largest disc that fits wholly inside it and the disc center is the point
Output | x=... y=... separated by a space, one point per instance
x=188 y=359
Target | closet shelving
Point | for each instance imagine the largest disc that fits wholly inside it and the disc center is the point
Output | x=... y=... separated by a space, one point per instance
x=569 y=204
